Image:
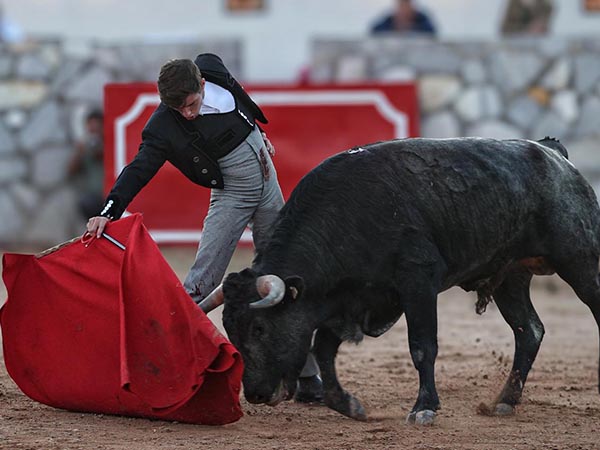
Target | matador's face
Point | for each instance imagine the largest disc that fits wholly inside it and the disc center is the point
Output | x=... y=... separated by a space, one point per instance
x=190 y=109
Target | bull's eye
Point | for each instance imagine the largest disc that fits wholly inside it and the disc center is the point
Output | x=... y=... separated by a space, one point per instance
x=257 y=331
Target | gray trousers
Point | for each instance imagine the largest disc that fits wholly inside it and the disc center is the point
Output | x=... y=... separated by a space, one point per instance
x=248 y=198
x=251 y=196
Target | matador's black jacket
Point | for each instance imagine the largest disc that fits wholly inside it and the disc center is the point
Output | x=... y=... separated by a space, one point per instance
x=193 y=146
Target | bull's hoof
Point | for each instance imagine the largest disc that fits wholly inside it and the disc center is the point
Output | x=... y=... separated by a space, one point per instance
x=347 y=405
x=504 y=409
x=424 y=418
x=310 y=390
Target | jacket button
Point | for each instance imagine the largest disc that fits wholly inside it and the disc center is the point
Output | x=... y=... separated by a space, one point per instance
x=204 y=171
x=196 y=159
x=213 y=182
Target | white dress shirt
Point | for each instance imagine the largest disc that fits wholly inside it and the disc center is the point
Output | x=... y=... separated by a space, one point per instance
x=217 y=100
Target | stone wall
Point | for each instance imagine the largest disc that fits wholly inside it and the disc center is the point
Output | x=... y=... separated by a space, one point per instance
x=513 y=88
x=516 y=88
x=46 y=89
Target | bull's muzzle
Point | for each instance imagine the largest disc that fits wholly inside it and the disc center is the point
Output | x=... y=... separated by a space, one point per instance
x=280 y=394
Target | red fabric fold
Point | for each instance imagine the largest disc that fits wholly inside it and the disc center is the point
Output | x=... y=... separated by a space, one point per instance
x=98 y=329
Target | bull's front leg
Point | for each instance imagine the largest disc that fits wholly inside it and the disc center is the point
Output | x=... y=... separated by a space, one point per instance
x=325 y=350
x=421 y=319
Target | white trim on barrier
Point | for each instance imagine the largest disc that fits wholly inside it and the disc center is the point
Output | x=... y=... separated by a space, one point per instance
x=185 y=236
x=359 y=97
x=141 y=102
x=306 y=97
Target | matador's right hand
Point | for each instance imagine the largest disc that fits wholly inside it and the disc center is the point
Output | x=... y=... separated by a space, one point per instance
x=97 y=224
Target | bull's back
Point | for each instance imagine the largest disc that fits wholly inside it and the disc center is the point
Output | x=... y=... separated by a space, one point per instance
x=454 y=182
x=470 y=198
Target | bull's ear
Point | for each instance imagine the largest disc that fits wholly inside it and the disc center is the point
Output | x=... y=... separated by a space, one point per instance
x=294 y=287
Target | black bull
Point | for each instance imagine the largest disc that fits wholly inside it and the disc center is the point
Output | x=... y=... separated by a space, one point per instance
x=379 y=231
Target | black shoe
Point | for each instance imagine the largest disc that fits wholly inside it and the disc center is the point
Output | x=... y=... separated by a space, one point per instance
x=309 y=390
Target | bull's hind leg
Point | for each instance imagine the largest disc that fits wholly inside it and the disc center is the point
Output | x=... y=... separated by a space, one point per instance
x=514 y=303
x=325 y=349
x=581 y=273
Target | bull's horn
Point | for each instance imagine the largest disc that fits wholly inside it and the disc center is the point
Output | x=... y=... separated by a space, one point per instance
x=271 y=288
x=212 y=300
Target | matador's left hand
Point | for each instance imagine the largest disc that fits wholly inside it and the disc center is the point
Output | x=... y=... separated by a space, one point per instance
x=268 y=144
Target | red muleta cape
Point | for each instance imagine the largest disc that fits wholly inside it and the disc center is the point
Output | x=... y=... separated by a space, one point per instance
x=99 y=329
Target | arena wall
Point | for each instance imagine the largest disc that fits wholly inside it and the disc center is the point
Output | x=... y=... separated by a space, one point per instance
x=522 y=87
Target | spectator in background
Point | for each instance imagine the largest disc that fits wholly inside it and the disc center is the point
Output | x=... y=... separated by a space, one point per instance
x=406 y=18
x=86 y=168
x=527 y=16
x=9 y=31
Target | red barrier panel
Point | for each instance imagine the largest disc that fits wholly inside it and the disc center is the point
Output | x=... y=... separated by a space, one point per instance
x=307 y=124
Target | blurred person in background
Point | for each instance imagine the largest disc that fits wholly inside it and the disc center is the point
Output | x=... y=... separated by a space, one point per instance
x=405 y=18
x=9 y=31
x=206 y=127
x=527 y=16
x=86 y=166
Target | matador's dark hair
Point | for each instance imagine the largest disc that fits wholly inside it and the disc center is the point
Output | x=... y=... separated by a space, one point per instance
x=178 y=78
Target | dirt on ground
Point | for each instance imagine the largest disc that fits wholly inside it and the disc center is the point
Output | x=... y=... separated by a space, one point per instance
x=560 y=408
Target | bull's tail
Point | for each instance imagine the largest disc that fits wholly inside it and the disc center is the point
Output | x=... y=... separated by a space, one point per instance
x=554 y=144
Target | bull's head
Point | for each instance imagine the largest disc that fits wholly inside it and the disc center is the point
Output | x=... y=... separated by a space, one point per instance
x=264 y=320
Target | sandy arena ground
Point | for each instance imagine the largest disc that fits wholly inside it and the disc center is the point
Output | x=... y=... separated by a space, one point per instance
x=560 y=409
